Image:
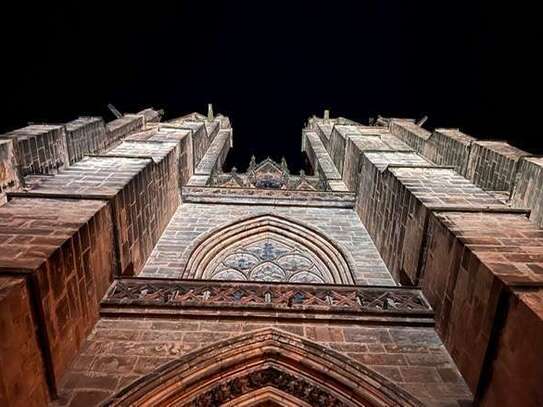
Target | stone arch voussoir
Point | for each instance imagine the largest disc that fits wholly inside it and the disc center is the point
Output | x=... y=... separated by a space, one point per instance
x=267 y=364
x=205 y=248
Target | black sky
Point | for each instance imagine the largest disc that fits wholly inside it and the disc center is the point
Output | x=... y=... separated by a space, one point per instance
x=270 y=65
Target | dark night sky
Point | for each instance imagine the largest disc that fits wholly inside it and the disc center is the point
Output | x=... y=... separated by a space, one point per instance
x=270 y=65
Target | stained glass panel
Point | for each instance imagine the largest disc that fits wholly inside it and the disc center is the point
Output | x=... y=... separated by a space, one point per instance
x=268 y=260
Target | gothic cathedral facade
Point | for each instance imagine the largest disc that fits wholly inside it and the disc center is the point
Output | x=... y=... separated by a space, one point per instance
x=404 y=269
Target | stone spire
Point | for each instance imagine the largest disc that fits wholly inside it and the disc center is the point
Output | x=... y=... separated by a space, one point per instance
x=210 y=112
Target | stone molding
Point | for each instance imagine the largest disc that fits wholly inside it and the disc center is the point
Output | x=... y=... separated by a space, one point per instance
x=163 y=297
x=202 y=194
x=217 y=374
x=204 y=249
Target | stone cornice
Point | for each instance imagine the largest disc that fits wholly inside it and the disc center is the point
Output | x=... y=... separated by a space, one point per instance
x=167 y=297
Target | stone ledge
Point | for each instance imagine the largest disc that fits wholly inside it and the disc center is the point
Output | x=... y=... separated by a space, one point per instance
x=267 y=197
x=168 y=297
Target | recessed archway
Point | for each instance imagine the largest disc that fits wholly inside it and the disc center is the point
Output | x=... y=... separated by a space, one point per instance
x=321 y=260
x=266 y=365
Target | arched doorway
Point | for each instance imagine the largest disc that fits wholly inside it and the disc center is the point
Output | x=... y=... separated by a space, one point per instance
x=263 y=368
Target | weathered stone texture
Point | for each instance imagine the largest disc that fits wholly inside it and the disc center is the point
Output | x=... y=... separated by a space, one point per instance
x=338 y=139
x=480 y=263
x=150 y=115
x=122 y=350
x=515 y=378
x=85 y=135
x=319 y=157
x=200 y=139
x=215 y=154
x=121 y=127
x=324 y=131
x=449 y=147
x=203 y=131
x=386 y=208
x=22 y=376
x=40 y=148
x=163 y=186
x=528 y=190
x=193 y=220
x=64 y=248
x=408 y=131
x=493 y=165
x=397 y=192
x=472 y=259
x=128 y=184
x=9 y=176
x=179 y=136
x=357 y=145
x=212 y=129
x=198 y=192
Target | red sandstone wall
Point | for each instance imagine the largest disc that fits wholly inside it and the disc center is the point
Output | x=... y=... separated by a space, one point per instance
x=85 y=135
x=528 y=191
x=200 y=140
x=40 y=149
x=119 y=128
x=517 y=368
x=337 y=146
x=449 y=147
x=140 y=211
x=64 y=249
x=411 y=134
x=392 y=215
x=493 y=165
x=122 y=350
x=183 y=139
x=355 y=147
x=22 y=376
x=473 y=260
x=147 y=203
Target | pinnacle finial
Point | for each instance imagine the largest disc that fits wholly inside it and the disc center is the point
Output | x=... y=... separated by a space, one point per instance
x=284 y=165
x=326 y=114
x=210 y=111
x=252 y=164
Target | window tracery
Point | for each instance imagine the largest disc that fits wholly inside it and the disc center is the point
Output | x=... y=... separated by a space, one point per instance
x=315 y=259
x=268 y=260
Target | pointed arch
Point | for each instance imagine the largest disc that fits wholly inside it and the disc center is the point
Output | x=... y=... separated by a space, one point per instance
x=333 y=264
x=269 y=364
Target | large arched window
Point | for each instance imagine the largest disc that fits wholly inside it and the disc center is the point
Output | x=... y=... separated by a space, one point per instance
x=268 y=248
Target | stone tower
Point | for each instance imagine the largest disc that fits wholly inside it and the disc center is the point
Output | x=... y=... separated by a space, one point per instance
x=405 y=269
